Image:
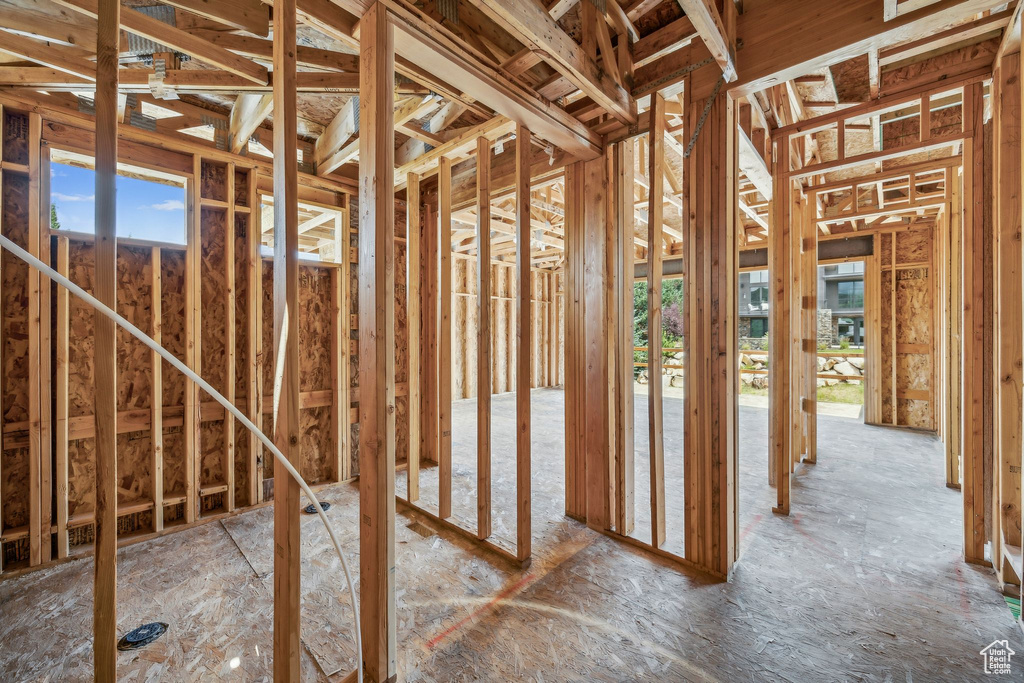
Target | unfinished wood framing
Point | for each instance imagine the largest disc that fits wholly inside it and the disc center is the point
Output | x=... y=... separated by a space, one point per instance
x=625 y=469
x=599 y=465
x=973 y=326
x=287 y=547
x=104 y=614
x=780 y=253
x=1009 y=343
x=523 y=336
x=656 y=436
x=808 y=288
x=444 y=337
x=377 y=348
x=483 y=340
x=413 y=265
x=430 y=213
x=575 y=361
x=711 y=423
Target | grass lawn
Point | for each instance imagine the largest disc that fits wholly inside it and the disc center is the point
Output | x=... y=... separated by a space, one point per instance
x=840 y=393
x=848 y=352
x=845 y=352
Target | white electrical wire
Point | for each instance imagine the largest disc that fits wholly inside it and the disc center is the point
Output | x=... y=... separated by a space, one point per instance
x=205 y=386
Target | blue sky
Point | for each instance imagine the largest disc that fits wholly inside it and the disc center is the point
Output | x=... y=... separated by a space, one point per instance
x=145 y=210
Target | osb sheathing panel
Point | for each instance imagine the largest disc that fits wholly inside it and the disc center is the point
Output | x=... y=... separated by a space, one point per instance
x=134 y=371
x=15 y=137
x=172 y=310
x=267 y=332
x=316 y=445
x=213 y=298
x=315 y=323
x=241 y=188
x=852 y=80
x=401 y=316
x=134 y=376
x=352 y=271
x=268 y=457
x=15 y=300
x=913 y=307
x=906 y=131
x=81 y=453
x=948 y=65
x=913 y=372
x=914 y=247
x=134 y=303
x=401 y=350
x=211 y=441
x=212 y=330
x=913 y=326
x=15 y=462
x=898 y=133
x=464 y=328
x=134 y=471
x=242 y=360
x=174 y=461
x=172 y=322
x=81 y=475
x=885 y=314
x=213 y=181
x=241 y=306
x=914 y=413
x=503 y=286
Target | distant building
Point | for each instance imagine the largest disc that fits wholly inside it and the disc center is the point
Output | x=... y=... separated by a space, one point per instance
x=753 y=298
x=840 y=299
x=841 y=290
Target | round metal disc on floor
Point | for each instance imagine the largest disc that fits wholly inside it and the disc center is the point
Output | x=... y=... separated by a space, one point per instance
x=311 y=509
x=142 y=636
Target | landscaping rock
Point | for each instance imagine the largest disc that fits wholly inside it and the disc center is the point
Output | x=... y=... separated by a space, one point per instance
x=821 y=382
x=759 y=366
x=760 y=382
x=831 y=382
x=829 y=364
x=856 y=361
x=821 y=364
x=677 y=382
x=745 y=359
x=746 y=378
x=845 y=368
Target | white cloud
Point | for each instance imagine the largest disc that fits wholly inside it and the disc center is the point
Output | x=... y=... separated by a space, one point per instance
x=60 y=196
x=167 y=205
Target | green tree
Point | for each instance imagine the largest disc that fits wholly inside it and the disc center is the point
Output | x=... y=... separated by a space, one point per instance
x=54 y=223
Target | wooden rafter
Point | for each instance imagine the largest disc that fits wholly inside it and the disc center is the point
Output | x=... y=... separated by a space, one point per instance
x=247 y=114
x=165 y=34
x=717 y=32
x=536 y=29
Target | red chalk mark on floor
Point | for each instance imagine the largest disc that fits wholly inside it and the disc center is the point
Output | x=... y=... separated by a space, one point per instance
x=750 y=526
x=965 y=604
x=796 y=525
x=471 y=617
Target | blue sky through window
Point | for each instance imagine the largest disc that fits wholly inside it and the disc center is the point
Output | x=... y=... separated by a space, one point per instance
x=145 y=210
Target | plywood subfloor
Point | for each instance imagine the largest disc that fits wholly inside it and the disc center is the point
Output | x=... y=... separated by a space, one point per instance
x=863 y=581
